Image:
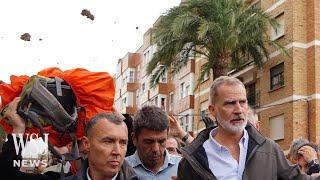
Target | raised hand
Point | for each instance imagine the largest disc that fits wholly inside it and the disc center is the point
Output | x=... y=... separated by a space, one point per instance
x=18 y=124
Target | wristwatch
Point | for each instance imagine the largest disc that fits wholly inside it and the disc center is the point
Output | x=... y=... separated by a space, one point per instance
x=185 y=138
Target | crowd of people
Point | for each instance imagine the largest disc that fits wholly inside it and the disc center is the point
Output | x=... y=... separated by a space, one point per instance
x=233 y=150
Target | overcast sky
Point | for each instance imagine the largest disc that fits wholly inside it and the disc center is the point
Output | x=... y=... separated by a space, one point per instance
x=62 y=37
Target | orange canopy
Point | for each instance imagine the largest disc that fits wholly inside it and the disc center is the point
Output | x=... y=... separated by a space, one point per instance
x=94 y=91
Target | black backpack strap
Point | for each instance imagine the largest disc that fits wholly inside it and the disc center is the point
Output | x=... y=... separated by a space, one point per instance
x=58 y=85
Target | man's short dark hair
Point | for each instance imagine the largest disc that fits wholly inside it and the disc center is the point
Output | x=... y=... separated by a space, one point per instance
x=151 y=118
x=111 y=117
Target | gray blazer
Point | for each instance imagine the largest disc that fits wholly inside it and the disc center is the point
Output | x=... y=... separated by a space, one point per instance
x=265 y=160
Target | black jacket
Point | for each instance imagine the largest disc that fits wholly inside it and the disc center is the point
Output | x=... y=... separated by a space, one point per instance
x=265 y=160
x=8 y=171
x=126 y=173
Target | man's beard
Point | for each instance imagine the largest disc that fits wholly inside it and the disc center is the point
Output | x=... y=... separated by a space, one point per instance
x=228 y=126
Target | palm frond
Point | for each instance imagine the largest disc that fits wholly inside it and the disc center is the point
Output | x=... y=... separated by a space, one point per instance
x=158 y=73
x=228 y=29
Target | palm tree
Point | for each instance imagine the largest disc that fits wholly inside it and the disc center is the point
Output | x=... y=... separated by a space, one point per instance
x=226 y=32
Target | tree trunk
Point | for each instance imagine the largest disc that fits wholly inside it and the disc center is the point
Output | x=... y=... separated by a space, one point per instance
x=221 y=67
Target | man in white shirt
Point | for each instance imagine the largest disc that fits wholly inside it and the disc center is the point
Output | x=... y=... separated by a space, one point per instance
x=234 y=150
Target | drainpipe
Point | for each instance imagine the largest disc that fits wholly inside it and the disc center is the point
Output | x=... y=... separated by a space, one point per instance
x=308 y=116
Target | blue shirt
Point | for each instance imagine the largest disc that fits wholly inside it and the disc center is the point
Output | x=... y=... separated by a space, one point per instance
x=168 y=169
x=221 y=162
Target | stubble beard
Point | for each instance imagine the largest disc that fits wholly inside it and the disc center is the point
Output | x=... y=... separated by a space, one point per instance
x=228 y=126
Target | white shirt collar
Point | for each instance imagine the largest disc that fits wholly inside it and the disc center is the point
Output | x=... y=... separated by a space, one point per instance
x=88 y=176
x=243 y=140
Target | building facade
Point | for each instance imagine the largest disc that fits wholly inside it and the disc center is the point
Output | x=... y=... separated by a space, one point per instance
x=285 y=91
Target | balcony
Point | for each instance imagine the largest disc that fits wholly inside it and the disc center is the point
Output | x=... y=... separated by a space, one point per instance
x=161 y=88
x=132 y=86
x=131 y=60
x=131 y=110
x=189 y=68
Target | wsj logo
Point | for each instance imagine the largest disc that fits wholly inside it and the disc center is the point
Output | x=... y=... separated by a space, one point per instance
x=31 y=148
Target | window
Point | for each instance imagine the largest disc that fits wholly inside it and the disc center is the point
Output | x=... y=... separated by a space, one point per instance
x=137 y=97
x=279 y=31
x=131 y=77
x=124 y=80
x=143 y=87
x=163 y=104
x=251 y=94
x=277 y=127
x=204 y=109
x=124 y=102
x=171 y=101
x=146 y=57
x=206 y=75
x=187 y=90
x=276 y=76
x=163 y=79
x=192 y=53
x=155 y=101
x=188 y=51
x=181 y=121
x=187 y=123
x=182 y=90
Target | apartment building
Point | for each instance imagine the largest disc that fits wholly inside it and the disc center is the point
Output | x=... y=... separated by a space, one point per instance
x=181 y=98
x=174 y=93
x=127 y=83
x=285 y=91
x=132 y=83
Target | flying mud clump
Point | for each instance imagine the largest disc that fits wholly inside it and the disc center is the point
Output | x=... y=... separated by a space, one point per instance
x=25 y=37
x=87 y=13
